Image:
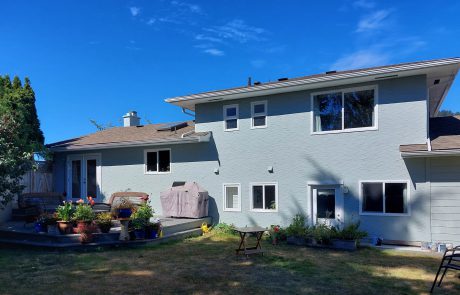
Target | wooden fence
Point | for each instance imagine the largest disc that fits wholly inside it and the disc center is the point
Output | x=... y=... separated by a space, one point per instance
x=38 y=182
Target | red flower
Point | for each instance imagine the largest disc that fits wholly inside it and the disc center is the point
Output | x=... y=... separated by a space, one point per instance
x=80 y=201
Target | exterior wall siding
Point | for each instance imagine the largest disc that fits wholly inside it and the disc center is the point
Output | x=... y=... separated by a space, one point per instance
x=297 y=157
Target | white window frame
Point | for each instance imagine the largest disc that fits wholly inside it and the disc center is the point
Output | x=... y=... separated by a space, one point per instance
x=224 y=186
x=231 y=117
x=264 y=102
x=158 y=161
x=343 y=91
x=251 y=199
x=383 y=182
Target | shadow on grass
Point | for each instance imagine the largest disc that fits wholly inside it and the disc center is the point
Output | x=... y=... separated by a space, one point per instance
x=208 y=264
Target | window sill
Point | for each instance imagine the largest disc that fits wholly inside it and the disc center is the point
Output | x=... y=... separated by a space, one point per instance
x=259 y=127
x=157 y=173
x=264 y=211
x=345 y=130
x=231 y=130
x=385 y=214
x=232 y=210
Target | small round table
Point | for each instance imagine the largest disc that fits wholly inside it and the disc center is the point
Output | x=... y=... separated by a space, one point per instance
x=124 y=233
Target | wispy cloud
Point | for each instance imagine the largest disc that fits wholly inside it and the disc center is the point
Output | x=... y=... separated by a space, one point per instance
x=214 y=52
x=364 y=4
x=237 y=30
x=360 y=59
x=201 y=37
x=151 y=21
x=134 y=10
x=373 y=21
x=191 y=7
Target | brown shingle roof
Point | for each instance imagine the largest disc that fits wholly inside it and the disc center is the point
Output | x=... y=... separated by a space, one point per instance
x=444 y=135
x=118 y=135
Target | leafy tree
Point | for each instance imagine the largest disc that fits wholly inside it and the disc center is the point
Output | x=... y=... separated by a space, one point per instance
x=445 y=113
x=20 y=134
x=15 y=159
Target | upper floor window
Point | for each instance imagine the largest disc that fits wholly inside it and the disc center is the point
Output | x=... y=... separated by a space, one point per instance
x=157 y=161
x=231 y=117
x=345 y=110
x=259 y=114
x=384 y=197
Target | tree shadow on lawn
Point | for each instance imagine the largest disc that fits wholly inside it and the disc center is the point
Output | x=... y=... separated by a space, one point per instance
x=208 y=265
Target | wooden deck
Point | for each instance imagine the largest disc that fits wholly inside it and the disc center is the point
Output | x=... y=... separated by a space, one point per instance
x=19 y=233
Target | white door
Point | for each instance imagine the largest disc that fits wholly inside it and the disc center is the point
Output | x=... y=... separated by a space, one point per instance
x=83 y=176
x=327 y=205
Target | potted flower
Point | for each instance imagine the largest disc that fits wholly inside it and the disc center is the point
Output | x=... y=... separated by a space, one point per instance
x=104 y=221
x=40 y=224
x=152 y=229
x=64 y=214
x=277 y=234
x=84 y=216
x=140 y=218
x=123 y=209
x=348 y=238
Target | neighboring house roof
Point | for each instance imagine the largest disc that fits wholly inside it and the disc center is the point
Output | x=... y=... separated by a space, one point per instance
x=444 y=138
x=440 y=74
x=133 y=136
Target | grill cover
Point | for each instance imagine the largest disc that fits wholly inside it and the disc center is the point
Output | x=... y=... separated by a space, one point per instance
x=188 y=200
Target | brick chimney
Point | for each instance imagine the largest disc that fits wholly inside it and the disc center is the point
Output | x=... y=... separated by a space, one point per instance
x=131 y=119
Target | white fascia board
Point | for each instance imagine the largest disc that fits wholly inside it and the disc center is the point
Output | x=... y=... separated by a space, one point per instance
x=426 y=154
x=194 y=139
x=189 y=101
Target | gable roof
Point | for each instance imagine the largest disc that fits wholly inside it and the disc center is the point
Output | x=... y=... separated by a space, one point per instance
x=443 y=70
x=444 y=137
x=132 y=136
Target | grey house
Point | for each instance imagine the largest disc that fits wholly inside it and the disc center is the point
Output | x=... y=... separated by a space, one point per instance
x=338 y=147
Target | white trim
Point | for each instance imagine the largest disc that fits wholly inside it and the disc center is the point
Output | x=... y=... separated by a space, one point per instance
x=158 y=161
x=265 y=113
x=428 y=154
x=383 y=182
x=140 y=143
x=83 y=172
x=263 y=184
x=224 y=186
x=343 y=91
x=228 y=106
x=324 y=182
x=359 y=76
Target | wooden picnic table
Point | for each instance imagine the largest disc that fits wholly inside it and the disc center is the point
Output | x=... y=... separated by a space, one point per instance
x=244 y=231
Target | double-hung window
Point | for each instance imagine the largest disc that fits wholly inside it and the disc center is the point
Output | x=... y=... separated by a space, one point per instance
x=232 y=197
x=231 y=117
x=157 y=161
x=264 y=197
x=345 y=110
x=385 y=197
x=259 y=114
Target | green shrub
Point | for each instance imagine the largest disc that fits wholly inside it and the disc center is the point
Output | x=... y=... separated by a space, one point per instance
x=104 y=218
x=64 y=212
x=83 y=212
x=351 y=232
x=224 y=228
x=322 y=233
x=144 y=211
x=297 y=228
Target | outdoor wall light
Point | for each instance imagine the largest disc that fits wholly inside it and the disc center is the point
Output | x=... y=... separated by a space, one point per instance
x=216 y=171
x=270 y=169
x=345 y=189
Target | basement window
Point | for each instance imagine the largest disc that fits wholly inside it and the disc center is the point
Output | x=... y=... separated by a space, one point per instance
x=157 y=161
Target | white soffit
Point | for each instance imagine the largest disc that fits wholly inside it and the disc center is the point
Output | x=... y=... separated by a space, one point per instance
x=446 y=68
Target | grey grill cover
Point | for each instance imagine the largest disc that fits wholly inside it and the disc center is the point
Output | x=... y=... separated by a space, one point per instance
x=188 y=200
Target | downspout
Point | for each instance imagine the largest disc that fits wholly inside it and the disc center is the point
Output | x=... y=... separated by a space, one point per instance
x=428 y=139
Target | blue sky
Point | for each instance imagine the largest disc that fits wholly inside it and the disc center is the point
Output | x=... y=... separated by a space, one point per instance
x=99 y=59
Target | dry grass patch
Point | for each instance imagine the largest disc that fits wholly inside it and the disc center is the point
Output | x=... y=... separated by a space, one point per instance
x=207 y=265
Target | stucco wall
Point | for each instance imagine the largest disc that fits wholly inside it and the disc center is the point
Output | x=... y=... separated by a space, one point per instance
x=297 y=157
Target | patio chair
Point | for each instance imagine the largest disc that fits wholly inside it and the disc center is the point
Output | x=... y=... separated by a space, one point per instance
x=450 y=260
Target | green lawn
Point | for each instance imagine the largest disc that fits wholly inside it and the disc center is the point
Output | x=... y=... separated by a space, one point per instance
x=207 y=265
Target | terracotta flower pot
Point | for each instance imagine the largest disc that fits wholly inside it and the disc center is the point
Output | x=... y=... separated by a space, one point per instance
x=65 y=227
x=86 y=230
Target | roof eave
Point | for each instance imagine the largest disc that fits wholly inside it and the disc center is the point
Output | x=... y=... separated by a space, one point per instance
x=427 y=154
x=188 y=101
x=191 y=139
